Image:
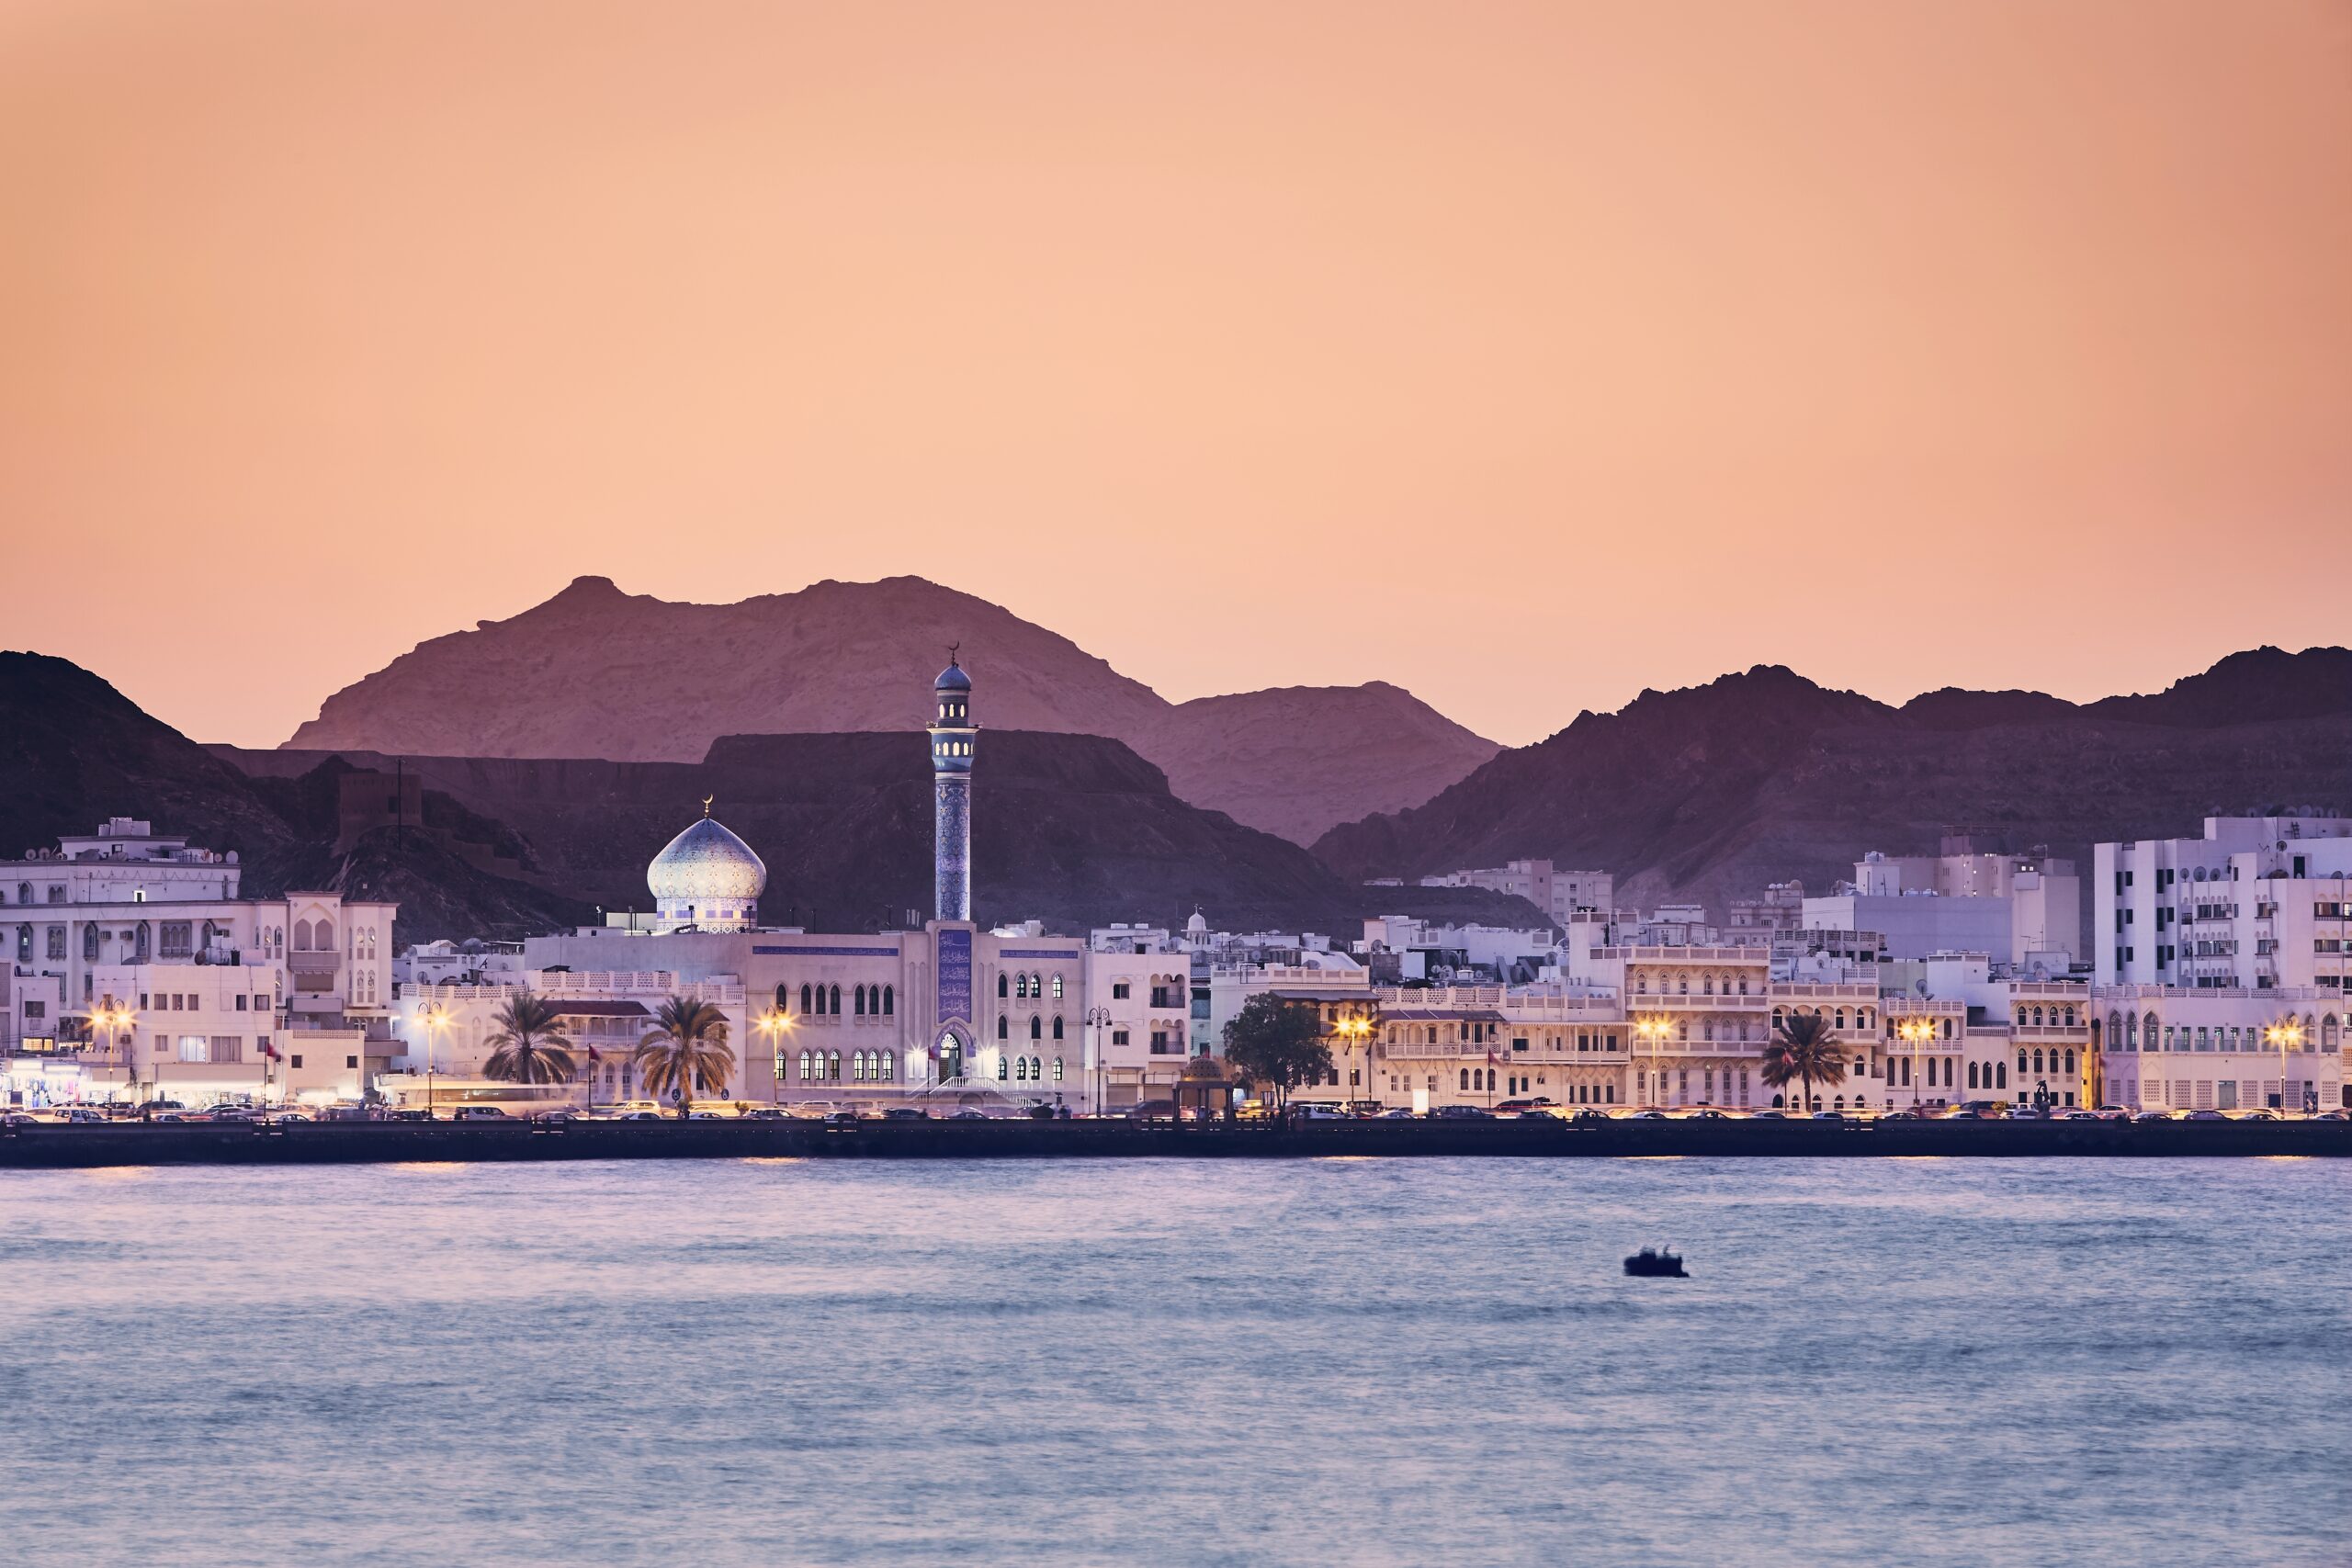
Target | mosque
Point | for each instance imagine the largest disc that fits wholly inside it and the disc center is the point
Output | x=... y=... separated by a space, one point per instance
x=947 y=1012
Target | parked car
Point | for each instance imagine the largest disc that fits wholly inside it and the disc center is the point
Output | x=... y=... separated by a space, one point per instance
x=767 y=1113
x=2080 y=1116
x=17 y=1121
x=1401 y=1113
x=1589 y=1117
x=2334 y=1116
x=2028 y=1114
x=1828 y=1116
x=2207 y=1116
x=1709 y=1115
x=1650 y=1116
x=1461 y=1113
x=639 y=1116
x=2112 y=1113
x=413 y=1114
x=291 y=1116
x=905 y=1113
x=2258 y=1116
x=1770 y=1116
x=480 y=1113
x=1317 y=1113
x=80 y=1114
x=959 y=1116
x=2153 y=1116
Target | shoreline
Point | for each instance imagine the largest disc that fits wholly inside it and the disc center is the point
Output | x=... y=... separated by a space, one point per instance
x=64 y=1147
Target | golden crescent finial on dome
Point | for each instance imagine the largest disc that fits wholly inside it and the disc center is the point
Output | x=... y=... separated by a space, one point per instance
x=706 y=804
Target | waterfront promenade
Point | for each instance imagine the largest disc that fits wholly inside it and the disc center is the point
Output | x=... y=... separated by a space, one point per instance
x=71 y=1146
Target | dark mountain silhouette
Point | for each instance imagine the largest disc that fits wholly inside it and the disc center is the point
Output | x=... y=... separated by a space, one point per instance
x=80 y=752
x=597 y=673
x=1073 y=829
x=1710 y=791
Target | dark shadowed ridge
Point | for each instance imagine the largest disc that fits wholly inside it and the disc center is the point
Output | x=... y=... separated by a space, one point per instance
x=1712 y=791
x=597 y=673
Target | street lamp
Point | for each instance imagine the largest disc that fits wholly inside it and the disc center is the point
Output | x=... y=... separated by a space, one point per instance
x=1356 y=1034
x=2288 y=1035
x=1917 y=1032
x=434 y=1018
x=1653 y=1027
x=1097 y=1020
x=775 y=1023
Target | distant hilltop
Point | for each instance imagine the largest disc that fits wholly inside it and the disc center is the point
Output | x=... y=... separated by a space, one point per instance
x=598 y=672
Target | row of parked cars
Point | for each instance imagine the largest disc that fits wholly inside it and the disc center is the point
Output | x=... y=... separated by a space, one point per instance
x=1970 y=1110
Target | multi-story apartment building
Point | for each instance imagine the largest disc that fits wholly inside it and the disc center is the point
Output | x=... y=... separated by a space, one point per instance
x=1559 y=893
x=2256 y=903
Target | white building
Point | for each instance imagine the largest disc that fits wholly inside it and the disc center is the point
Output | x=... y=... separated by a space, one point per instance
x=2021 y=909
x=2208 y=1048
x=108 y=930
x=447 y=1034
x=2256 y=904
x=1559 y=893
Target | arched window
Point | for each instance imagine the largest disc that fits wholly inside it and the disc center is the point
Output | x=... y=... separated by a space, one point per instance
x=1058 y=1026
x=857 y=1067
x=889 y=1001
x=834 y=1063
x=1002 y=986
x=804 y=1066
x=326 y=936
x=1947 y=1029
x=1841 y=1017
x=1058 y=1069
x=807 y=1003
x=2328 y=1037
x=2070 y=1061
x=1036 y=1027
x=302 y=936
x=1003 y=1027
x=833 y=1000
x=890 y=1066
x=1972 y=1075
x=1057 y=987
x=2001 y=1075
x=857 y=1003
x=90 y=954
x=1000 y=1067
x=784 y=999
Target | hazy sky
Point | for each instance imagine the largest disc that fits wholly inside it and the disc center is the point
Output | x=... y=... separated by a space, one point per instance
x=1524 y=356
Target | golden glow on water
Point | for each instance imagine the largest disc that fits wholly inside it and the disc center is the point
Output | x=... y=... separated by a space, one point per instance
x=1654 y=1156
x=434 y=1164
x=775 y=1159
x=119 y=1172
x=1345 y=1159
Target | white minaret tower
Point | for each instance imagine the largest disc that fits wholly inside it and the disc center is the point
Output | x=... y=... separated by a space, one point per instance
x=952 y=734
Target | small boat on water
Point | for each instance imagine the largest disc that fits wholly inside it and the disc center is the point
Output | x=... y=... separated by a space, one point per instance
x=1650 y=1263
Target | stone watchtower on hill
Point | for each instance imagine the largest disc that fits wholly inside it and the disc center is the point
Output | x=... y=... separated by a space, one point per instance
x=952 y=734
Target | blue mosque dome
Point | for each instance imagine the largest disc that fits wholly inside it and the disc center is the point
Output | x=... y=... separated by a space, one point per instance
x=709 y=876
x=952 y=678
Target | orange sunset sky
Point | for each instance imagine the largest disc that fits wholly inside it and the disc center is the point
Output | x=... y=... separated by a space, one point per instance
x=1525 y=356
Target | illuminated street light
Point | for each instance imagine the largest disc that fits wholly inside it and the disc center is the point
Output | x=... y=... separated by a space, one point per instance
x=1653 y=1027
x=2288 y=1035
x=1917 y=1031
x=775 y=1023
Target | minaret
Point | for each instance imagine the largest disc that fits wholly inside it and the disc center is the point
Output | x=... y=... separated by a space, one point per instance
x=952 y=734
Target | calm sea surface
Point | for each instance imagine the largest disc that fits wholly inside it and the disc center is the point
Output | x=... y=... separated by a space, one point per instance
x=1403 y=1361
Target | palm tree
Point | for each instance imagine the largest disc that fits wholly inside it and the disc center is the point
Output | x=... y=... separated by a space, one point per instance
x=531 y=1045
x=687 y=1049
x=1803 y=1050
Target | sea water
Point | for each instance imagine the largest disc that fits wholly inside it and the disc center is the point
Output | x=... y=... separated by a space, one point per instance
x=1409 y=1361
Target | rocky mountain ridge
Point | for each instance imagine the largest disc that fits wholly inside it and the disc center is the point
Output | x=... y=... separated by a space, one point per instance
x=1708 y=793
x=598 y=672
